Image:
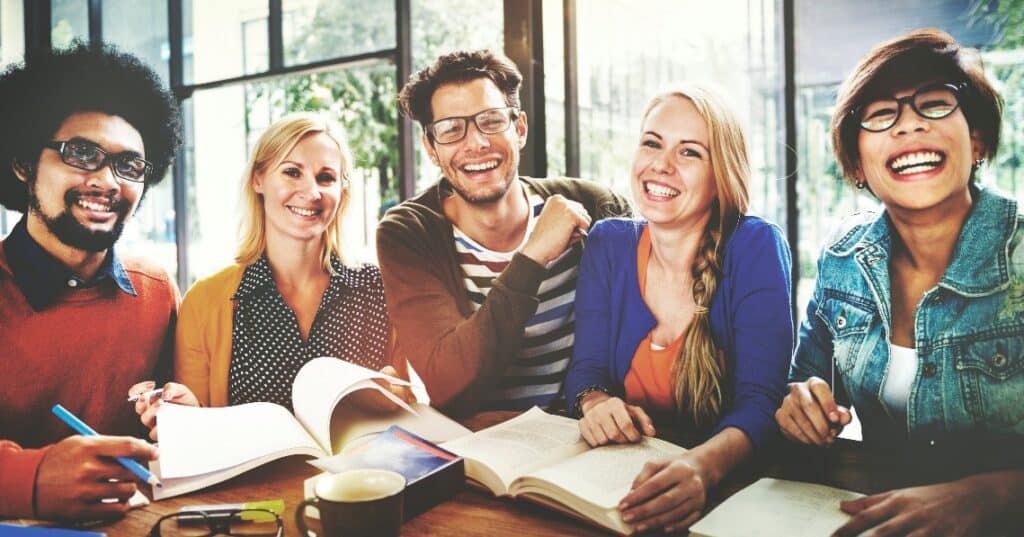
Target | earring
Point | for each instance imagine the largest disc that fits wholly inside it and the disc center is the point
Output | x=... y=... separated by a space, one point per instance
x=978 y=163
x=860 y=185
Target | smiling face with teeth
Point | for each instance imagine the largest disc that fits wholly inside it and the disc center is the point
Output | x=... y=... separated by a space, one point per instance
x=480 y=167
x=673 y=182
x=80 y=209
x=301 y=194
x=919 y=163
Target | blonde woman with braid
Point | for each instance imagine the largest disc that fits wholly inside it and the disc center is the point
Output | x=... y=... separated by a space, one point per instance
x=686 y=310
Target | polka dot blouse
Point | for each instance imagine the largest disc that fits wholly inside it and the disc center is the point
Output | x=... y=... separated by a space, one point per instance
x=267 y=349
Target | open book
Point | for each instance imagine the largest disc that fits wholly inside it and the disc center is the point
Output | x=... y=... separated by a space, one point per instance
x=203 y=446
x=777 y=508
x=542 y=458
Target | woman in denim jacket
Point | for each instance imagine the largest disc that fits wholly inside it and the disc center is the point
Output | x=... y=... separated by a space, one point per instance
x=917 y=317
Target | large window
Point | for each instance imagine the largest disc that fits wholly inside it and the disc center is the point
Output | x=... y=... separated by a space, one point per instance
x=224 y=125
x=628 y=52
x=441 y=26
x=822 y=62
x=316 y=30
x=69 y=20
x=12 y=48
x=224 y=39
x=12 y=34
x=151 y=231
x=239 y=66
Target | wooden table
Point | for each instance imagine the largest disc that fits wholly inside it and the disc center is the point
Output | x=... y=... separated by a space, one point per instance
x=472 y=512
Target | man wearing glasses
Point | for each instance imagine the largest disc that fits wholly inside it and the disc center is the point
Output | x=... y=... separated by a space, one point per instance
x=480 y=269
x=86 y=132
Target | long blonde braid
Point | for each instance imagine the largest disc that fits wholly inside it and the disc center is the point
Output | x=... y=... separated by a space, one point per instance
x=698 y=377
x=699 y=392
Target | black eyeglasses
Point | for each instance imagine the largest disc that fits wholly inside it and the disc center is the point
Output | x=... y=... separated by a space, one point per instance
x=930 y=102
x=238 y=522
x=492 y=121
x=85 y=155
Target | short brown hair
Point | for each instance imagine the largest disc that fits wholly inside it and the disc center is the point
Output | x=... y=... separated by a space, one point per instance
x=458 y=67
x=905 y=62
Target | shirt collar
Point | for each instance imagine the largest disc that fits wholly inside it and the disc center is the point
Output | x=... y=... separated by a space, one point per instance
x=983 y=242
x=258 y=278
x=42 y=278
x=981 y=259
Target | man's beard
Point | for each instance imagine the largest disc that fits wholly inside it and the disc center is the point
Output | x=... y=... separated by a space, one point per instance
x=71 y=232
x=484 y=198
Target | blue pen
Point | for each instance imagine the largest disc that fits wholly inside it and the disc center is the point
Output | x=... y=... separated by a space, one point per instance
x=81 y=428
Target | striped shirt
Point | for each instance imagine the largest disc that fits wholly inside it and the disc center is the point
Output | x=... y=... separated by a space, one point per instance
x=535 y=378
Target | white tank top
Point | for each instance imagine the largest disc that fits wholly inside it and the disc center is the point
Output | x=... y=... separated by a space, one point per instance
x=896 y=386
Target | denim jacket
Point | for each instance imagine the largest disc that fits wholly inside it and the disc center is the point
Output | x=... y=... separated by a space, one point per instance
x=969 y=330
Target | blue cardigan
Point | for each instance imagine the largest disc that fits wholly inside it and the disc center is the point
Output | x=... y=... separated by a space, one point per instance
x=751 y=319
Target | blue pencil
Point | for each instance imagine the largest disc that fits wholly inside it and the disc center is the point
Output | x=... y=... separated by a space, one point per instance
x=81 y=428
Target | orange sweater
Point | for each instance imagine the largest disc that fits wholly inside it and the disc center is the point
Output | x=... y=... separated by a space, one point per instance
x=83 y=352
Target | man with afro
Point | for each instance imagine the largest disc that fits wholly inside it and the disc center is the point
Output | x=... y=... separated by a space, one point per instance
x=87 y=131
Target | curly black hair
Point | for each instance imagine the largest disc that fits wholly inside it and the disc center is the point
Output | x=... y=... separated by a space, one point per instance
x=36 y=98
x=458 y=67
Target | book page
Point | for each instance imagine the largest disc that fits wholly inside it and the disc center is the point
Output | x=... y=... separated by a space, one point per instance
x=195 y=441
x=322 y=383
x=352 y=425
x=530 y=440
x=775 y=507
x=603 y=475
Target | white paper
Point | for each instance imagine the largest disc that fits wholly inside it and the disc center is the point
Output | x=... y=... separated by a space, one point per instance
x=195 y=441
x=322 y=383
x=777 y=508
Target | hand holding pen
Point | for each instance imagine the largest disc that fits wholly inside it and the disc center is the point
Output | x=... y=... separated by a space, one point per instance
x=81 y=477
x=147 y=399
x=810 y=415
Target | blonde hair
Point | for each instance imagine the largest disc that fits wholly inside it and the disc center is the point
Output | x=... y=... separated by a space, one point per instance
x=272 y=147
x=698 y=375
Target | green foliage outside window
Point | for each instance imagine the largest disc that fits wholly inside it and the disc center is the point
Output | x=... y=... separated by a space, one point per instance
x=364 y=99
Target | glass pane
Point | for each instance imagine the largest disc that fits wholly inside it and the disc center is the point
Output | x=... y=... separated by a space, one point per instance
x=822 y=62
x=12 y=33
x=317 y=30
x=626 y=56
x=435 y=31
x=554 y=86
x=228 y=121
x=224 y=39
x=69 y=19
x=12 y=50
x=150 y=233
x=139 y=27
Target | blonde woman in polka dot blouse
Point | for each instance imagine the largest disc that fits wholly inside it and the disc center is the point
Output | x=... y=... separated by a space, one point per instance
x=245 y=332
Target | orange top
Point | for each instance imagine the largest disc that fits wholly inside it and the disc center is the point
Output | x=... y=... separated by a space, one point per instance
x=648 y=382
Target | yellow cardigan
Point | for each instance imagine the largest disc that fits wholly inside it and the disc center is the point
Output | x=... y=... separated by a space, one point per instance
x=202 y=341
x=202 y=350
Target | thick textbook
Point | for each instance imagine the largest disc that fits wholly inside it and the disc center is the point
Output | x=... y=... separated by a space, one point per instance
x=777 y=508
x=203 y=446
x=432 y=473
x=542 y=458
